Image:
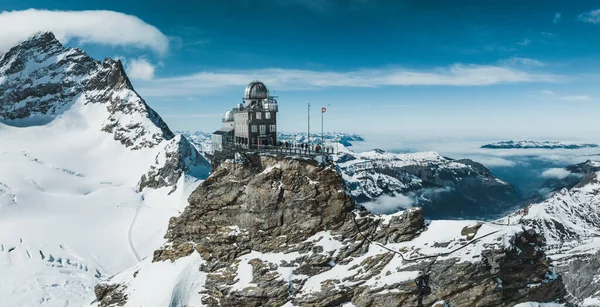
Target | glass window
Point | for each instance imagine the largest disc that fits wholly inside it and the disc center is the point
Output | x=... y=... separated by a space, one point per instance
x=258 y=115
x=263 y=129
x=253 y=128
x=272 y=128
x=268 y=115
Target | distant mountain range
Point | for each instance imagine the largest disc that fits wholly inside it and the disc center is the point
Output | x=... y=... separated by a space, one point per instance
x=536 y=144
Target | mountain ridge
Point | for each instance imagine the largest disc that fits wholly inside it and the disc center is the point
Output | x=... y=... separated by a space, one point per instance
x=40 y=78
x=89 y=173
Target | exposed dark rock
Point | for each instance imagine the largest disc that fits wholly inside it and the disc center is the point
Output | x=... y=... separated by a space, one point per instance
x=178 y=157
x=286 y=206
x=110 y=295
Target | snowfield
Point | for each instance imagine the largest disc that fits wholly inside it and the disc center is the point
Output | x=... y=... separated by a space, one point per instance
x=75 y=140
x=70 y=212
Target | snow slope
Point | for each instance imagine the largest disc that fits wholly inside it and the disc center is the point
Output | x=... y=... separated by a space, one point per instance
x=154 y=284
x=75 y=141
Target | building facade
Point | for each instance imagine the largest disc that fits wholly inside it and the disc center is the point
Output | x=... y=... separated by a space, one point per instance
x=252 y=123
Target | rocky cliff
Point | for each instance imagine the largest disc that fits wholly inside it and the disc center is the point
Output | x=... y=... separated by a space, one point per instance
x=274 y=232
x=570 y=224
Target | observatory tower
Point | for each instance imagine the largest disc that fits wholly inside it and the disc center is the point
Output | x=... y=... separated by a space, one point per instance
x=250 y=124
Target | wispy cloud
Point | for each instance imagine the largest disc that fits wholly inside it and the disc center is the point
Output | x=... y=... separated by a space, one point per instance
x=295 y=79
x=557 y=18
x=524 y=42
x=576 y=98
x=590 y=17
x=518 y=61
x=547 y=94
x=100 y=27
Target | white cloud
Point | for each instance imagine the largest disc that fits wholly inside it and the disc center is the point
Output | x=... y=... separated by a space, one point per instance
x=577 y=98
x=550 y=94
x=516 y=61
x=455 y=75
x=559 y=173
x=557 y=18
x=491 y=161
x=524 y=42
x=591 y=16
x=386 y=204
x=547 y=92
x=100 y=27
x=140 y=69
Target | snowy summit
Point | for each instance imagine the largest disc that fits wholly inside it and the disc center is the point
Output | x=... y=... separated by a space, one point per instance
x=89 y=174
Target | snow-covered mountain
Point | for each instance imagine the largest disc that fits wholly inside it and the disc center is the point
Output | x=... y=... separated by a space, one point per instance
x=538 y=144
x=89 y=174
x=570 y=222
x=387 y=182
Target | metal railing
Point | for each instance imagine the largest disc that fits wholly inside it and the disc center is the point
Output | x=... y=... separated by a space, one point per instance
x=290 y=150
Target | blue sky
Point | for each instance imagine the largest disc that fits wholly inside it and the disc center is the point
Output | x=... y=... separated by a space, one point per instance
x=448 y=68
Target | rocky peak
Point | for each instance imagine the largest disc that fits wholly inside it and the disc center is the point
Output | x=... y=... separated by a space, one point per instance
x=42 y=40
x=275 y=231
x=114 y=77
x=40 y=79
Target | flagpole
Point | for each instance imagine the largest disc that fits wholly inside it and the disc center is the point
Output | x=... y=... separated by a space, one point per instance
x=322 y=137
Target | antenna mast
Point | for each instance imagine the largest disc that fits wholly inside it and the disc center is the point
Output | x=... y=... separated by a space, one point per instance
x=308 y=135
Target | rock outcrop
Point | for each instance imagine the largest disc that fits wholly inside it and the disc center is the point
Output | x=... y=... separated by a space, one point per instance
x=284 y=231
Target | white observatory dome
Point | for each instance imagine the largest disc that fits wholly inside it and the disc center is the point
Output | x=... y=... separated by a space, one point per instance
x=228 y=116
x=256 y=90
